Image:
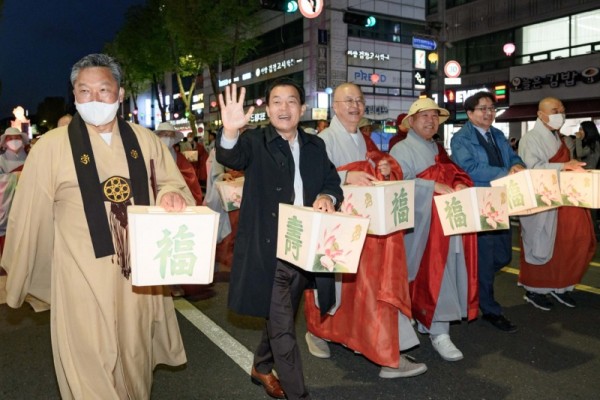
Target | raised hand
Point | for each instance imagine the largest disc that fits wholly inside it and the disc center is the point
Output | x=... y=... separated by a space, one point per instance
x=232 y=111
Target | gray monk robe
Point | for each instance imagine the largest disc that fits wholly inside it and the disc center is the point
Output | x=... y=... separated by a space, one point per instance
x=544 y=266
x=455 y=297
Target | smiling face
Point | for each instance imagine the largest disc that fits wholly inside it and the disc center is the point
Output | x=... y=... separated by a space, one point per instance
x=483 y=116
x=349 y=105
x=425 y=123
x=284 y=109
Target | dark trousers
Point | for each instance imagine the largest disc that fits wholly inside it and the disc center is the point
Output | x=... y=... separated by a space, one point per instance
x=278 y=346
x=494 y=251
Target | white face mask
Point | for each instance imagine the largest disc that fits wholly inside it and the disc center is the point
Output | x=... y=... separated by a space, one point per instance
x=167 y=141
x=97 y=113
x=14 y=145
x=556 y=121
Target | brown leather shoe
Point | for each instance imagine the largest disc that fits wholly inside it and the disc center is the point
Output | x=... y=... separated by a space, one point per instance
x=269 y=382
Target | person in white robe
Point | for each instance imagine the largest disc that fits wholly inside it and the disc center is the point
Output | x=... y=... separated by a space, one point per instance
x=346 y=144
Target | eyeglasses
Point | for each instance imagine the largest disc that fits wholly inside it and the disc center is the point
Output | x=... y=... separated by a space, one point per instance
x=484 y=109
x=351 y=102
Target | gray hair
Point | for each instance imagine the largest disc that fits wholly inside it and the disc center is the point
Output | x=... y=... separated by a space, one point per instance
x=97 y=60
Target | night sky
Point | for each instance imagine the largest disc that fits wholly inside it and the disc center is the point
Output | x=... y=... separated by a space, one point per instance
x=40 y=40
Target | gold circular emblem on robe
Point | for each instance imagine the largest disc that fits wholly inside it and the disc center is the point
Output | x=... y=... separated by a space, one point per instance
x=117 y=190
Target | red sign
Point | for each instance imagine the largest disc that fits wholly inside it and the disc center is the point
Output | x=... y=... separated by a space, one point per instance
x=452 y=69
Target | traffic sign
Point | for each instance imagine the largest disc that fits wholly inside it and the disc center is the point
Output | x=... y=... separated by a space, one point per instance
x=310 y=8
x=423 y=43
x=452 y=69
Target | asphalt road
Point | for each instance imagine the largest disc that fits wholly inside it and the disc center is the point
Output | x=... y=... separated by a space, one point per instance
x=555 y=355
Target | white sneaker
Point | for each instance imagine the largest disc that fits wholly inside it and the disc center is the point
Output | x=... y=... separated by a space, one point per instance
x=443 y=345
x=317 y=346
x=407 y=369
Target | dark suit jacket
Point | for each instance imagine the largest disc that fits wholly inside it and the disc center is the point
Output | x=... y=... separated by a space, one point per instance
x=268 y=167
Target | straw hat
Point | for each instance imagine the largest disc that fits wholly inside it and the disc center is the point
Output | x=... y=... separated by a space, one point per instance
x=425 y=104
x=364 y=122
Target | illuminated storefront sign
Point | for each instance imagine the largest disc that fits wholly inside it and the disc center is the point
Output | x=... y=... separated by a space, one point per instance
x=362 y=76
x=376 y=110
x=368 y=55
x=262 y=71
x=589 y=75
x=258 y=117
x=459 y=96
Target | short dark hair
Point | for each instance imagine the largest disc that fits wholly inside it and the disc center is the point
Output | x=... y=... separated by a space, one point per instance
x=471 y=102
x=286 y=82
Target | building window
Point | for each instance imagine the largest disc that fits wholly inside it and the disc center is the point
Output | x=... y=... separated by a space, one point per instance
x=560 y=38
x=387 y=31
x=546 y=36
x=275 y=41
x=584 y=28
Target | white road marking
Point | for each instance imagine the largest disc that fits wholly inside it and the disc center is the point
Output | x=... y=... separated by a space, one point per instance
x=234 y=349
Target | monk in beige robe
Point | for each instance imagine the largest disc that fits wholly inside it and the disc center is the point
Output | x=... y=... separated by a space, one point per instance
x=107 y=335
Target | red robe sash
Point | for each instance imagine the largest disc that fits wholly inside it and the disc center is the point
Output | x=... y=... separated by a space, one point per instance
x=569 y=262
x=425 y=289
x=367 y=320
x=189 y=175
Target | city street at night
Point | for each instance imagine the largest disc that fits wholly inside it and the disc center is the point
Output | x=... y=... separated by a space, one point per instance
x=554 y=355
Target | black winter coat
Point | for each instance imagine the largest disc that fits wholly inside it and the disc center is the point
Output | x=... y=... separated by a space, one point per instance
x=267 y=161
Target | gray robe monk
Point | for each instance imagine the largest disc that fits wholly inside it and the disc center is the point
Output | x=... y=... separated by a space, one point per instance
x=415 y=155
x=538 y=231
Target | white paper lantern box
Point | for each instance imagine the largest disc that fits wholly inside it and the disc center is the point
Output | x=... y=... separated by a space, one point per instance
x=388 y=205
x=320 y=242
x=580 y=189
x=231 y=193
x=531 y=191
x=169 y=248
x=476 y=209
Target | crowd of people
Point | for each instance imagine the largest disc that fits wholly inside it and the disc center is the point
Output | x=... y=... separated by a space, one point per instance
x=64 y=236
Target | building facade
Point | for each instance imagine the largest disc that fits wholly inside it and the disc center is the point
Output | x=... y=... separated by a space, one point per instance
x=333 y=48
x=556 y=53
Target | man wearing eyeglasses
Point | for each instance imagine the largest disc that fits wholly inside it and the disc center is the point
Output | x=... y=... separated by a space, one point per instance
x=484 y=153
x=373 y=317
